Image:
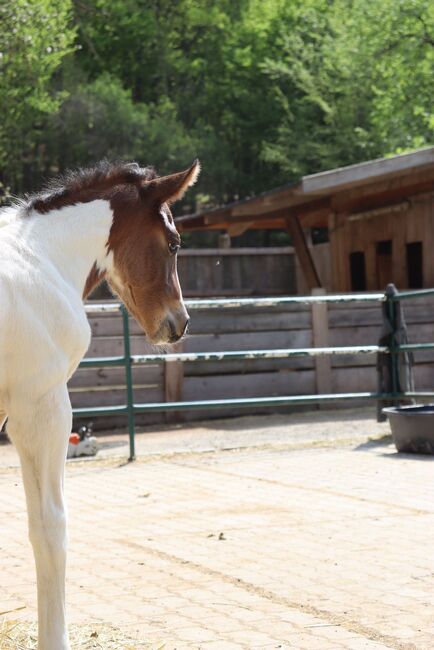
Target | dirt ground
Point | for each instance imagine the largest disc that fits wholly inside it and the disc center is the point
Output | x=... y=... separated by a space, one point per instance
x=267 y=532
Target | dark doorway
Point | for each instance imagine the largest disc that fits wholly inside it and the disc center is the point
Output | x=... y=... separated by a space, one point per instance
x=415 y=265
x=384 y=263
x=358 y=271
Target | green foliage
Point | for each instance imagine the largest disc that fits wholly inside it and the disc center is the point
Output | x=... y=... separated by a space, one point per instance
x=100 y=120
x=261 y=91
x=356 y=78
x=35 y=36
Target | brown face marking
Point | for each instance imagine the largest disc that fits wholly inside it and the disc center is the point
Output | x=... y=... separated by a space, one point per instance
x=144 y=270
x=145 y=274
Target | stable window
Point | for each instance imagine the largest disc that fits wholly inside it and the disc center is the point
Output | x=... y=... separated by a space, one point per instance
x=415 y=265
x=358 y=271
x=384 y=263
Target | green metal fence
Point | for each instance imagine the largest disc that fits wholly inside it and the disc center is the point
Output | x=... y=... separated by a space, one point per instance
x=128 y=361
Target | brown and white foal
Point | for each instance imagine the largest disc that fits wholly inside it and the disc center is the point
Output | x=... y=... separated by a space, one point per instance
x=113 y=222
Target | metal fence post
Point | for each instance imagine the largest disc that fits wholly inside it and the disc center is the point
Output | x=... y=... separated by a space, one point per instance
x=128 y=381
x=393 y=345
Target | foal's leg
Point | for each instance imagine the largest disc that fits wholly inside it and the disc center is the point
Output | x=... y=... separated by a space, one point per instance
x=41 y=437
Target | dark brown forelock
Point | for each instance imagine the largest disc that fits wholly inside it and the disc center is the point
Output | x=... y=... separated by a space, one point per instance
x=84 y=185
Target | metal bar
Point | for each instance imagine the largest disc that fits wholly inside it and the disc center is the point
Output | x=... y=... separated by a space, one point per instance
x=414 y=347
x=420 y=293
x=102 y=362
x=287 y=400
x=286 y=300
x=257 y=354
x=245 y=402
x=232 y=303
x=129 y=381
x=100 y=410
x=393 y=359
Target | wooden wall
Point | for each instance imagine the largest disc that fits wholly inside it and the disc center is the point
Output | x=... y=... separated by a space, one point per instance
x=321 y=258
x=279 y=327
x=413 y=223
x=208 y=272
x=237 y=271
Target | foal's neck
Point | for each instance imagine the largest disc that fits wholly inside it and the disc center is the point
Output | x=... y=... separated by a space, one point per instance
x=72 y=239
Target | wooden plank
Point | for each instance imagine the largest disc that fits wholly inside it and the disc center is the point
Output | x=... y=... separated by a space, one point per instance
x=236 y=252
x=334 y=250
x=354 y=380
x=420 y=332
x=173 y=383
x=225 y=292
x=217 y=321
x=246 y=366
x=114 y=346
x=239 y=319
x=236 y=274
x=397 y=226
x=114 y=397
x=424 y=376
x=365 y=335
x=254 y=385
x=428 y=244
x=339 y=318
x=303 y=253
x=321 y=257
x=149 y=375
x=320 y=335
x=265 y=321
x=353 y=360
x=249 y=341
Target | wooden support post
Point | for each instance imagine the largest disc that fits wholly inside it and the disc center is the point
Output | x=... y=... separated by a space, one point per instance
x=225 y=240
x=303 y=253
x=320 y=336
x=173 y=382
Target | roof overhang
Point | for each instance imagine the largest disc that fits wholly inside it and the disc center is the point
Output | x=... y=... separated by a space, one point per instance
x=314 y=197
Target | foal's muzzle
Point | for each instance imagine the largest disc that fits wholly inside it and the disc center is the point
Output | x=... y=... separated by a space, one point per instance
x=175 y=334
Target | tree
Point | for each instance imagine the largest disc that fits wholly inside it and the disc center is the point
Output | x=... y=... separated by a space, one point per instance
x=354 y=82
x=34 y=38
x=100 y=120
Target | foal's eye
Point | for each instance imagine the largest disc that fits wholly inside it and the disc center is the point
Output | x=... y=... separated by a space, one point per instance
x=173 y=248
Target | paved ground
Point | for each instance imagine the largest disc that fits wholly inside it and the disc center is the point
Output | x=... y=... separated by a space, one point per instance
x=307 y=537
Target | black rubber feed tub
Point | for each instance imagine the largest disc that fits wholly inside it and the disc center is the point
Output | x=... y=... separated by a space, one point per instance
x=412 y=428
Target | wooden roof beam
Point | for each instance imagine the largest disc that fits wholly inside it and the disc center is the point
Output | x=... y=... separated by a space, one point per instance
x=303 y=253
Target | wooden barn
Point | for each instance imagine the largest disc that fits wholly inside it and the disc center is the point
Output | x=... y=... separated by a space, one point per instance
x=378 y=217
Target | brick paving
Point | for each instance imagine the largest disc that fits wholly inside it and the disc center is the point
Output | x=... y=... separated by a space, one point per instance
x=311 y=548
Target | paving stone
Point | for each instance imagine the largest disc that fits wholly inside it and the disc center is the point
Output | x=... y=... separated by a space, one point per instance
x=313 y=548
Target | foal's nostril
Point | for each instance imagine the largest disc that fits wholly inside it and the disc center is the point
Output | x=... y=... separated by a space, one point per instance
x=184 y=331
x=173 y=336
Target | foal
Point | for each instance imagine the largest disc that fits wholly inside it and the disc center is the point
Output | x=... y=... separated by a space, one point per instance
x=113 y=222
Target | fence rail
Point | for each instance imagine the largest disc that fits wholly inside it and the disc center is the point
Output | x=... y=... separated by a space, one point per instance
x=127 y=360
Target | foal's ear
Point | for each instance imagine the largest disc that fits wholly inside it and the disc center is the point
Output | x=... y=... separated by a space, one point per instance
x=169 y=189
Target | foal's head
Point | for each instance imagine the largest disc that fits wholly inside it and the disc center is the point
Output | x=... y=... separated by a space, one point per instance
x=143 y=246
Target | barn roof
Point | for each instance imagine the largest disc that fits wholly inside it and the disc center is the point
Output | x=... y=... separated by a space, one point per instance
x=365 y=186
